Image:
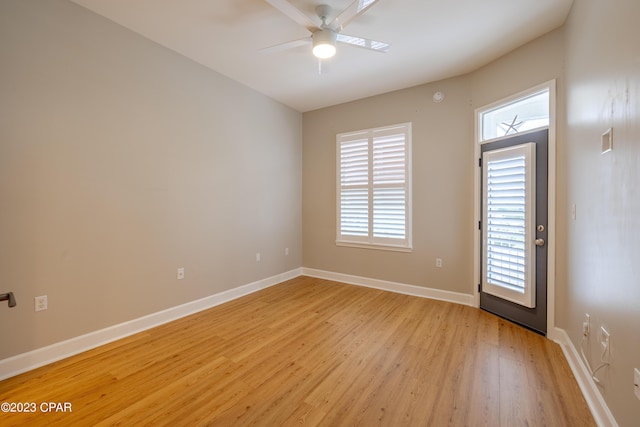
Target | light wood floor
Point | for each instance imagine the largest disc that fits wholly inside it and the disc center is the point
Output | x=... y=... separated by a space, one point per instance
x=314 y=352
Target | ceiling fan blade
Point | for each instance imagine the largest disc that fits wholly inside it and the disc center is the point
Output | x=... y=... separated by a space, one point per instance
x=351 y=12
x=285 y=46
x=294 y=13
x=364 y=43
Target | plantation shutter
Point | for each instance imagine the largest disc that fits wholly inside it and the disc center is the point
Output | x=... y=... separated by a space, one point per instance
x=354 y=193
x=374 y=187
x=509 y=191
x=389 y=186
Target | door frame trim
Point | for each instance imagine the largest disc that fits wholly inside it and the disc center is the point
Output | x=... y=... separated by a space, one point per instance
x=551 y=225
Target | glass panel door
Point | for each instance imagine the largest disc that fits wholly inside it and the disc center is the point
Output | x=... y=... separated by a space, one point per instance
x=514 y=211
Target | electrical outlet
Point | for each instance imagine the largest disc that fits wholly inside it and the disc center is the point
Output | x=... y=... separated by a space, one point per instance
x=586 y=325
x=180 y=273
x=636 y=382
x=604 y=339
x=41 y=303
x=439 y=262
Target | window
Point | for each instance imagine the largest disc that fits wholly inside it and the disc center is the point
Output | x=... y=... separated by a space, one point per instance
x=521 y=115
x=374 y=188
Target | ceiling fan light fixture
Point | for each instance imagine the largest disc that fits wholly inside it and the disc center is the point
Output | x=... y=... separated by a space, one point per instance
x=324 y=43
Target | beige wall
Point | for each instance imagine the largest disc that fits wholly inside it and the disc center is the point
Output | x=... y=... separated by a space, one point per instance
x=532 y=64
x=603 y=242
x=121 y=161
x=442 y=187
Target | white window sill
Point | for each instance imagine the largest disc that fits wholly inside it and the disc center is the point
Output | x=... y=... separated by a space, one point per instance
x=393 y=248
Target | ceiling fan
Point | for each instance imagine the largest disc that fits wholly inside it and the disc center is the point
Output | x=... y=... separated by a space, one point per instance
x=325 y=35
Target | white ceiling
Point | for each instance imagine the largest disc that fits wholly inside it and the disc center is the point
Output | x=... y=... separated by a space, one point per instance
x=430 y=39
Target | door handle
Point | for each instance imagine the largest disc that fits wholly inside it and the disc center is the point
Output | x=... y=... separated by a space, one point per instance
x=540 y=242
x=8 y=297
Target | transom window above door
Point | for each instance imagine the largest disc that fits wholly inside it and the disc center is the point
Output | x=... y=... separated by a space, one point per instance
x=523 y=114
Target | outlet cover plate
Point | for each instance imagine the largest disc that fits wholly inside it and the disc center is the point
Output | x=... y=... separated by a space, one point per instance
x=41 y=303
x=180 y=273
x=636 y=382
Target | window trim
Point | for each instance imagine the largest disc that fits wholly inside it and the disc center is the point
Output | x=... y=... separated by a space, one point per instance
x=371 y=242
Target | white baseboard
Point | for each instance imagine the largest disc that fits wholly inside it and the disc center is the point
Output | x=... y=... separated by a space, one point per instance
x=599 y=409
x=400 y=288
x=42 y=356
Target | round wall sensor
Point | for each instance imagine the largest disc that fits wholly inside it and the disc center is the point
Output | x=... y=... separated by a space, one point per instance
x=438 y=97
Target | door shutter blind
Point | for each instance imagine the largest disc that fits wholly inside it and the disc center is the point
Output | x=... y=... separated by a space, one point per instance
x=508 y=223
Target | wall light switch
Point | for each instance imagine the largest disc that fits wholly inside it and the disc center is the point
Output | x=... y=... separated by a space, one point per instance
x=636 y=382
x=180 y=273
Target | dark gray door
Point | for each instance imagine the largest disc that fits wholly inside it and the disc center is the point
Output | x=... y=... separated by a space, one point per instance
x=514 y=229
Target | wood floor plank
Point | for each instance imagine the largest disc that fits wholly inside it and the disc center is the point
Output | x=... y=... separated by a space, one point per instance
x=314 y=352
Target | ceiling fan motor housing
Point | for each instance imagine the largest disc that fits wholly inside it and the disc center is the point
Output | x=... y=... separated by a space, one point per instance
x=324 y=43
